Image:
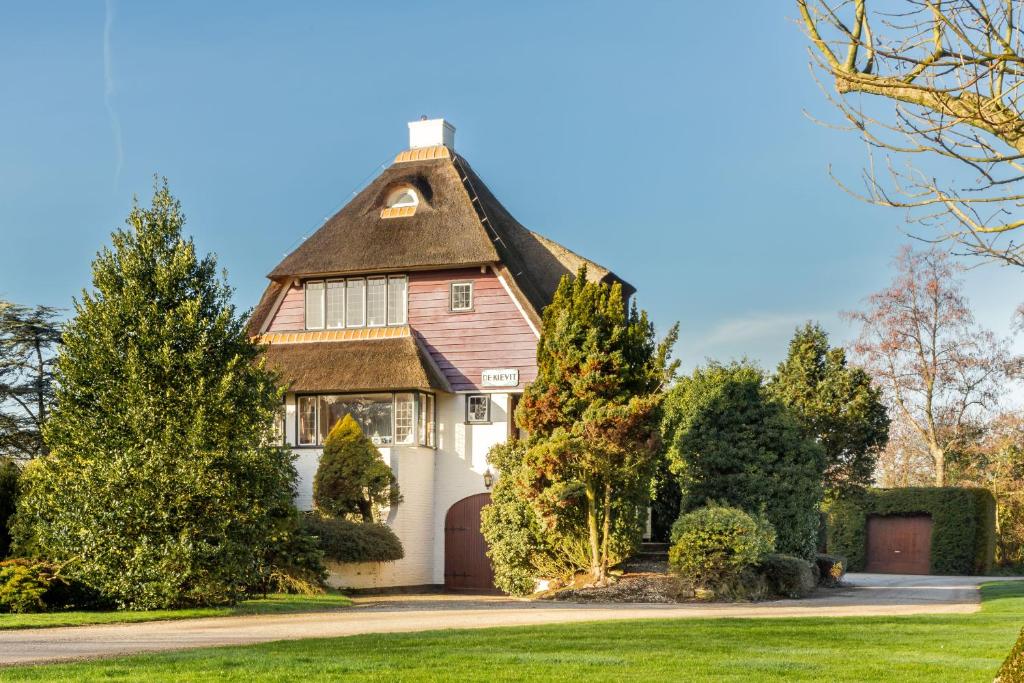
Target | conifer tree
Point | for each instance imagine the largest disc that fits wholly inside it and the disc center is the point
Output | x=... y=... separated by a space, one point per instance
x=837 y=406
x=162 y=485
x=352 y=477
x=593 y=412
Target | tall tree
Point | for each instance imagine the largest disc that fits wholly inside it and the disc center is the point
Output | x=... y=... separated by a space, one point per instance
x=939 y=369
x=593 y=411
x=948 y=77
x=28 y=344
x=837 y=406
x=163 y=484
x=730 y=442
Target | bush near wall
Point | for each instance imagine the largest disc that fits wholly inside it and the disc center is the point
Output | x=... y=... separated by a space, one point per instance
x=344 y=541
x=963 y=525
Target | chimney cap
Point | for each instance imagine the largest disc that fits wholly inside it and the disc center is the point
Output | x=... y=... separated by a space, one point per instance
x=431 y=133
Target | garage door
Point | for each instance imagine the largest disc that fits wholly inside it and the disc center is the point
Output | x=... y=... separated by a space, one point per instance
x=466 y=566
x=899 y=545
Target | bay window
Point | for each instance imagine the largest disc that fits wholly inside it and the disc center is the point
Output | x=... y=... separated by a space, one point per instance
x=386 y=419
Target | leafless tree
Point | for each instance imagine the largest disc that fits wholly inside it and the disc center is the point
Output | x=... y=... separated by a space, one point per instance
x=905 y=460
x=953 y=71
x=941 y=372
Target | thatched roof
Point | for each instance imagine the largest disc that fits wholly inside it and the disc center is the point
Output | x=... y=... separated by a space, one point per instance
x=349 y=366
x=446 y=231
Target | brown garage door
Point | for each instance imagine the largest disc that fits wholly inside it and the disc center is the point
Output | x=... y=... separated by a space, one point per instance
x=466 y=566
x=899 y=545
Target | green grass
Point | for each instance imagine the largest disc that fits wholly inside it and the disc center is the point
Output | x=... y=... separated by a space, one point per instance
x=960 y=648
x=272 y=604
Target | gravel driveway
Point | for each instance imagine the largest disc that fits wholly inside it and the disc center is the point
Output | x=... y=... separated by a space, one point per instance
x=866 y=595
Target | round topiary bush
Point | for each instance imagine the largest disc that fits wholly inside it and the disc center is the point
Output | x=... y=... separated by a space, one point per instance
x=342 y=540
x=712 y=545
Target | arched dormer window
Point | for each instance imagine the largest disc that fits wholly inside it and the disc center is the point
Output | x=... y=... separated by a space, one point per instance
x=401 y=202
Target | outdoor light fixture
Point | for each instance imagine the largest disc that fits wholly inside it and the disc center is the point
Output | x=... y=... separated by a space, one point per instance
x=488 y=479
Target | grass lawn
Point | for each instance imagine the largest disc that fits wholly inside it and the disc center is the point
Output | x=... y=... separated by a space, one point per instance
x=272 y=604
x=959 y=648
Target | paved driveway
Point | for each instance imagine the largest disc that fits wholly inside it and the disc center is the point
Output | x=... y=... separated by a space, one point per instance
x=866 y=595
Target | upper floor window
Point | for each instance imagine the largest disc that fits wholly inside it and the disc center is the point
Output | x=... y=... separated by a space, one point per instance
x=402 y=202
x=402 y=198
x=356 y=302
x=461 y=296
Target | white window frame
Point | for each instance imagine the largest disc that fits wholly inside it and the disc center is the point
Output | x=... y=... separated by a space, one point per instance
x=305 y=303
x=298 y=420
x=366 y=301
x=404 y=318
x=451 y=297
x=348 y=287
x=393 y=200
x=469 y=414
x=344 y=303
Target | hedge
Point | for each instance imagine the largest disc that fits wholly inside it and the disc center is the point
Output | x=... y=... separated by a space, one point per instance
x=344 y=541
x=963 y=525
x=1012 y=670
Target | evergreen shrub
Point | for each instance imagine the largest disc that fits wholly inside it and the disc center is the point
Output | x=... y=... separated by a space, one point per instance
x=831 y=569
x=787 y=576
x=342 y=540
x=1012 y=670
x=9 y=475
x=963 y=525
x=713 y=545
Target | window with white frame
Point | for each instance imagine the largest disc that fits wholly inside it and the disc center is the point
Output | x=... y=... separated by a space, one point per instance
x=461 y=296
x=355 y=302
x=376 y=302
x=335 y=297
x=478 y=408
x=314 y=293
x=398 y=287
x=386 y=419
x=402 y=197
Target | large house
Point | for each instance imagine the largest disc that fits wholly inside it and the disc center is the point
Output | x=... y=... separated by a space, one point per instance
x=416 y=308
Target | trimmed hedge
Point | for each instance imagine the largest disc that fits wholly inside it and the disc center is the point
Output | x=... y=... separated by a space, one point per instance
x=1012 y=670
x=345 y=541
x=787 y=576
x=963 y=525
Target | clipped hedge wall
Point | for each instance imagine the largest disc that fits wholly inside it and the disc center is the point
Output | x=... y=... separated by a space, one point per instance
x=963 y=525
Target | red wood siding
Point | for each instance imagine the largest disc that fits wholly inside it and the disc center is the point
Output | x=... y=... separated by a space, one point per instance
x=291 y=314
x=494 y=335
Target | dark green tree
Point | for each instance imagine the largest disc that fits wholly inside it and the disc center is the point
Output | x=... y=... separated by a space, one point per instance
x=730 y=442
x=28 y=346
x=163 y=485
x=9 y=474
x=352 y=478
x=836 y=405
x=593 y=412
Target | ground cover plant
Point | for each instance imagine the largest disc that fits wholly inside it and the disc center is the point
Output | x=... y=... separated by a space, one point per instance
x=952 y=647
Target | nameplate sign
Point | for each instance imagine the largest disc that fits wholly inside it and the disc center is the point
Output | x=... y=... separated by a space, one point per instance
x=500 y=377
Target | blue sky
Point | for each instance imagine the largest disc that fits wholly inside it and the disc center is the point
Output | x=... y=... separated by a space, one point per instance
x=667 y=141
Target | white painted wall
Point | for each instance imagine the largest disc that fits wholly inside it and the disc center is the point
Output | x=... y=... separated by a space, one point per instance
x=431 y=480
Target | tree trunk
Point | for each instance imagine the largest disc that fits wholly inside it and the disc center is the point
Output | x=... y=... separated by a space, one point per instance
x=606 y=530
x=595 y=540
x=939 y=456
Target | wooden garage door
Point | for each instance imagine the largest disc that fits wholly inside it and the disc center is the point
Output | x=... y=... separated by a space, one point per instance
x=466 y=566
x=899 y=545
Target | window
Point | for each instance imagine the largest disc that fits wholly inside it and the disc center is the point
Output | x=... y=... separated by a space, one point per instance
x=355 y=302
x=307 y=421
x=426 y=420
x=402 y=198
x=462 y=296
x=373 y=412
x=336 y=304
x=405 y=419
x=315 y=305
x=376 y=302
x=478 y=408
x=398 y=285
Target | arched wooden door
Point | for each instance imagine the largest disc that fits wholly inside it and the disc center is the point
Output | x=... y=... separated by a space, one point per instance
x=466 y=565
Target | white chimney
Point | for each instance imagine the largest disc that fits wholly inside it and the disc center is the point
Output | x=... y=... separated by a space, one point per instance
x=430 y=132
